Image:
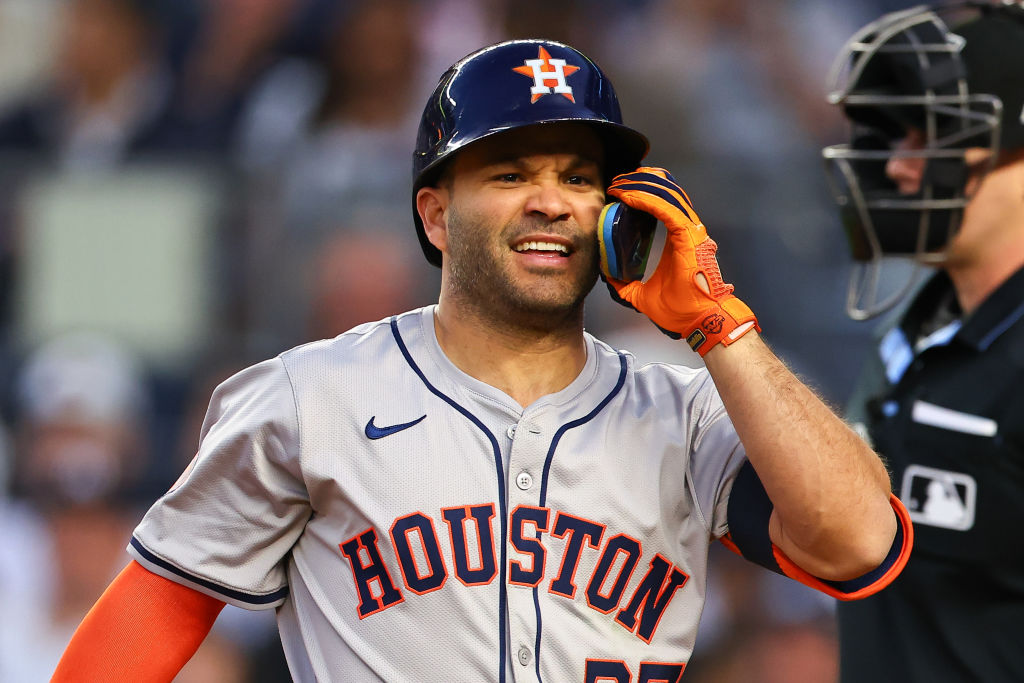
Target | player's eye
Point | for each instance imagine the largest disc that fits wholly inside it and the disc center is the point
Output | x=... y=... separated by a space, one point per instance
x=582 y=179
x=509 y=177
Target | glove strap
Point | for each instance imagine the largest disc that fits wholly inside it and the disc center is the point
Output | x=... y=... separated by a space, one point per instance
x=722 y=325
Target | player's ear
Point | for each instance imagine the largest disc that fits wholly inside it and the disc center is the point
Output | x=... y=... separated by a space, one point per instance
x=432 y=205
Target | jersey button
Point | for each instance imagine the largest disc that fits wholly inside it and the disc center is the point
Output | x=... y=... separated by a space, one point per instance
x=524 y=655
x=524 y=481
x=511 y=432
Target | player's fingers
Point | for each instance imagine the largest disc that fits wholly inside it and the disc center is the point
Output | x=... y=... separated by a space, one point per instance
x=670 y=198
x=677 y=222
x=657 y=185
x=654 y=170
x=673 y=197
x=628 y=292
x=657 y=176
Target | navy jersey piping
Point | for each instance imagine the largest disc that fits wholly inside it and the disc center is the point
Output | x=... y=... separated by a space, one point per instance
x=250 y=598
x=1003 y=326
x=502 y=608
x=544 y=481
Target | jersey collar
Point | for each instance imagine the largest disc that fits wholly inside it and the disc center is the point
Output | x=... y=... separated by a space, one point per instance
x=978 y=331
x=996 y=314
x=593 y=372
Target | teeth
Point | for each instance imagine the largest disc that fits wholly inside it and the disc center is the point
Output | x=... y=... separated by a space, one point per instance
x=542 y=246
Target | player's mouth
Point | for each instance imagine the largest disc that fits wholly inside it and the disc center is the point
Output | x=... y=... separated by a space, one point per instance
x=543 y=248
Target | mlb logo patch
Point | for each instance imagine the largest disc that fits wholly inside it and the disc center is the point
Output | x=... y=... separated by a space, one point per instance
x=939 y=498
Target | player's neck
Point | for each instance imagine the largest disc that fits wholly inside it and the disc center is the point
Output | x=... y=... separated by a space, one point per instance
x=525 y=363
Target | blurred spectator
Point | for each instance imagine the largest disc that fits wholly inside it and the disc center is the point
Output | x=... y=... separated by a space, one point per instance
x=235 y=43
x=329 y=152
x=448 y=30
x=563 y=21
x=746 y=77
x=341 y=125
x=763 y=628
x=81 y=456
x=361 y=272
x=80 y=449
x=354 y=147
x=362 y=276
x=26 y=45
x=82 y=406
x=110 y=94
x=803 y=652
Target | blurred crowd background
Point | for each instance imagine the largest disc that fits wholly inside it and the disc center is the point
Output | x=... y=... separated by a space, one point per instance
x=190 y=186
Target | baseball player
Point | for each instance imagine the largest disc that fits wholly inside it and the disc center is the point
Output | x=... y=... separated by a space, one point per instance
x=935 y=174
x=480 y=490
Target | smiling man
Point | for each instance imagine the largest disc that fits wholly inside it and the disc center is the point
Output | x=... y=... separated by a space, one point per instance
x=479 y=489
x=544 y=254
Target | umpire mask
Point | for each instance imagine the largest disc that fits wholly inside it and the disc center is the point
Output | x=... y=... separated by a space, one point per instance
x=953 y=89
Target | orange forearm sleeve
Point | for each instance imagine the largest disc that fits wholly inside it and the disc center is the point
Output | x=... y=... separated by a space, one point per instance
x=143 y=628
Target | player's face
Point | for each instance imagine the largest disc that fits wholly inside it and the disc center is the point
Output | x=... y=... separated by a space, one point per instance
x=522 y=220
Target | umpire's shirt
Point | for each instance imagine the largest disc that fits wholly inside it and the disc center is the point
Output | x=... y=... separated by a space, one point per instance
x=943 y=402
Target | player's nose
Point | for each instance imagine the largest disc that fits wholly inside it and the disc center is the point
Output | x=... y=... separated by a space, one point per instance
x=548 y=200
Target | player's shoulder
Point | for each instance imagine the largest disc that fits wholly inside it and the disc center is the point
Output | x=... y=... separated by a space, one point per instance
x=658 y=377
x=646 y=370
x=368 y=343
x=350 y=363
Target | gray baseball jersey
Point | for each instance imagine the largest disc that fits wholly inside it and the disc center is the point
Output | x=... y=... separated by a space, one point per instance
x=411 y=523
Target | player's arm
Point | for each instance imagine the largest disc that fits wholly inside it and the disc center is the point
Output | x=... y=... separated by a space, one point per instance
x=143 y=628
x=830 y=492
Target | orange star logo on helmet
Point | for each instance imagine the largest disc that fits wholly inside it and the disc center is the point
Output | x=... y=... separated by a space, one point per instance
x=548 y=75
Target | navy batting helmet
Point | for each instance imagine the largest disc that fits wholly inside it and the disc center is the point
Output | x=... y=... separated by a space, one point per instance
x=510 y=85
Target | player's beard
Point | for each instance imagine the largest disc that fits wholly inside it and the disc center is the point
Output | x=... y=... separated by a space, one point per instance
x=482 y=275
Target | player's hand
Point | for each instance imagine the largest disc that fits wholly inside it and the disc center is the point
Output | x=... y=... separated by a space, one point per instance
x=686 y=295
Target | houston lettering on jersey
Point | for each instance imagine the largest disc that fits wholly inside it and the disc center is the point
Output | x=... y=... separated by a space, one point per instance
x=416 y=544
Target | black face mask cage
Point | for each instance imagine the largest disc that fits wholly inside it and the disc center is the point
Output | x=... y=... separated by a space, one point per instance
x=898 y=74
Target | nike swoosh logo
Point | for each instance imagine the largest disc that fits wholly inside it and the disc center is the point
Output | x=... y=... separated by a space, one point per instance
x=375 y=432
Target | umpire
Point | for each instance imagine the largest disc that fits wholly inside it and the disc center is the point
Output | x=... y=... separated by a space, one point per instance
x=935 y=172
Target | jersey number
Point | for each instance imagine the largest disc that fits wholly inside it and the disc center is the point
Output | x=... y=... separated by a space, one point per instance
x=615 y=671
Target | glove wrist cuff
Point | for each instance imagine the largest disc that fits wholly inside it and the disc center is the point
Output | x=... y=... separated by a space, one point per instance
x=724 y=324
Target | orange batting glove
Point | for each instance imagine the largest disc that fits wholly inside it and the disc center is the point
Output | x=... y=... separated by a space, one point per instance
x=685 y=296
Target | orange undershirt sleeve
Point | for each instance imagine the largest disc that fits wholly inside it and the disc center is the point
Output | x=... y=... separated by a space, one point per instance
x=143 y=628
